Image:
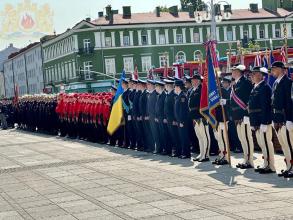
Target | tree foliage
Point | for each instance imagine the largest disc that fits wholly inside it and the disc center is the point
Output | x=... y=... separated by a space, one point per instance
x=195 y=4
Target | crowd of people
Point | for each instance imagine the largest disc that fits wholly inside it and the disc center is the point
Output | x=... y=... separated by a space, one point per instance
x=164 y=117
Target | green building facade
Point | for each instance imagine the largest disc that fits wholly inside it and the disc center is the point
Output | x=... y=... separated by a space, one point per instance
x=88 y=56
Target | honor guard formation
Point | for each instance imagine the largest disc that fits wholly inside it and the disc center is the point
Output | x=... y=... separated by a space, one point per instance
x=163 y=117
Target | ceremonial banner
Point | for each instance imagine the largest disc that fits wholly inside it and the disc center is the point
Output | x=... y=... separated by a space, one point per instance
x=135 y=73
x=116 y=116
x=257 y=60
x=267 y=63
x=210 y=98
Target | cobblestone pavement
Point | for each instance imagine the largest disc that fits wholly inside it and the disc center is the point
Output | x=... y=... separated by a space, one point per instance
x=45 y=177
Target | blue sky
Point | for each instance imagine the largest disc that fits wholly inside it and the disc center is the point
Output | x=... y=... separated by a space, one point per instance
x=69 y=12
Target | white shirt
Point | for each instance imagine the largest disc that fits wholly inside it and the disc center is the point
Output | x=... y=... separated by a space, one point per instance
x=237 y=80
x=279 y=79
x=256 y=85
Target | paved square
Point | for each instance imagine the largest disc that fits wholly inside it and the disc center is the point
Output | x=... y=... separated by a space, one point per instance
x=45 y=177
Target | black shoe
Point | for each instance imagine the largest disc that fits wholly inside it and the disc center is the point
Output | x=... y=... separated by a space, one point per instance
x=246 y=166
x=204 y=160
x=223 y=162
x=266 y=171
x=216 y=161
x=258 y=169
x=239 y=165
x=283 y=172
x=195 y=159
x=288 y=174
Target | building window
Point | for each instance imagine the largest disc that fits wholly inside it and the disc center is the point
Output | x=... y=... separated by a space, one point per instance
x=86 y=43
x=144 y=40
x=245 y=34
x=229 y=35
x=261 y=34
x=126 y=41
x=180 y=57
x=110 y=66
x=146 y=62
x=87 y=70
x=196 y=37
x=179 y=38
x=291 y=31
x=108 y=42
x=164 y=60
x=278 y=33
x=162 y=39
x=128 y=64
x=71 y=74
x=197 y=55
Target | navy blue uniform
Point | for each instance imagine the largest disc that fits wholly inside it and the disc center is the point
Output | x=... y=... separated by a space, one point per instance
x=171 y=122
x=242 y=89
x=181 y=115
x=130 y=122
x=281 y=101
x=259 y=105
x=142 y=123
x=136 y=120
x=161 y=137
x=152 y=99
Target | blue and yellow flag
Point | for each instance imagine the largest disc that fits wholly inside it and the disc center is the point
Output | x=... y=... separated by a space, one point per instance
x=116 y=116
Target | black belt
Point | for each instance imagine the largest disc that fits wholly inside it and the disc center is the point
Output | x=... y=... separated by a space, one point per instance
x=254 y=110
x=277 y=111
x=193 y=109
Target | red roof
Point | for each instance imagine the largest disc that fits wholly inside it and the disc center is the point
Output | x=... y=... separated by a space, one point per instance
x=166 y=17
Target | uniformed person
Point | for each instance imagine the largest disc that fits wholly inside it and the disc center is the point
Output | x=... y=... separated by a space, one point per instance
x=151 y=113
x=137 y=118
x=172 y=126
x=144 y=119
x=181 y=115
x=282 y=114
x=130 y=117
x=161 y=141
x=201 y=126
x=222 y=138
x=239 y=98
x=125 y=129
x=260 y=117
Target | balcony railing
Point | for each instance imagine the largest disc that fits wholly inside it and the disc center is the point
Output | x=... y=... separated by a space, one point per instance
x=86 y=50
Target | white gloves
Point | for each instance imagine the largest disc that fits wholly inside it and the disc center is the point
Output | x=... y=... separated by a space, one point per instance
x=263 y=128
x=246 y=120
x=223 y=101
x=289 y=125
x=129 y=118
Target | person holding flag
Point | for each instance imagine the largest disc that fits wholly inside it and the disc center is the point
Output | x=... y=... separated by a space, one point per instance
x=116 y=117
x=209 y=100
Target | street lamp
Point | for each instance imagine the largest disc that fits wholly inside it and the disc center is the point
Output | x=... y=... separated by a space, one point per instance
x=210 y=15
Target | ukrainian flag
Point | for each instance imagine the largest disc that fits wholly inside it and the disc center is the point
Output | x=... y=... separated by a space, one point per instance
x=116 y=116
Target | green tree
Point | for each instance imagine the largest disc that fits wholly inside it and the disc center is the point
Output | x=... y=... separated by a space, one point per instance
x=163 y=9
x=195 y=4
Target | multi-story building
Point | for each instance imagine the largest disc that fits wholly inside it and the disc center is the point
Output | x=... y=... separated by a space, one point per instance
x=23 y=70
x=88 y=55
x=4 y=56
